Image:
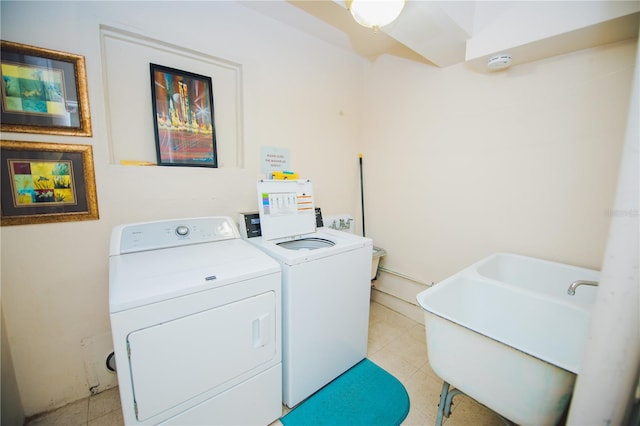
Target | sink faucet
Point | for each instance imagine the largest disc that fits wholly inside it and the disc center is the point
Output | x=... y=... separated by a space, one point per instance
x=572 y=288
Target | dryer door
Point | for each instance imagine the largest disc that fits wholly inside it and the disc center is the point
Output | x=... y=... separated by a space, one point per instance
x=180 y=359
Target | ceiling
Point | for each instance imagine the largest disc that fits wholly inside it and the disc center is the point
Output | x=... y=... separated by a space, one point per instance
x=444 y=33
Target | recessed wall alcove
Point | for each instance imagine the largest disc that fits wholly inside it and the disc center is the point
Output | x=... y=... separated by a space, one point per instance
x=125 y=60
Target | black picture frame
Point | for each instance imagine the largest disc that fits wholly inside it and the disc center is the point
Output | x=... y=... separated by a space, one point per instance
x=183 y=118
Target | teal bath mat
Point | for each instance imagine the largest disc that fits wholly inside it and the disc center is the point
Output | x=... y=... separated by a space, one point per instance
x=364 y=395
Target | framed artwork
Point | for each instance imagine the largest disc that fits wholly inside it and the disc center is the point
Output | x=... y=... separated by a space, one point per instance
x=46 y=182
x=183 y=118
x=43 y=91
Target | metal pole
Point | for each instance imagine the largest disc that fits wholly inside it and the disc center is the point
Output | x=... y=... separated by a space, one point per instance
x=362 y=196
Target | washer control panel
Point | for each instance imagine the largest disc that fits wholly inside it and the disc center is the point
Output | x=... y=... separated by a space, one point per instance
x=249 y=224
x=170 y=233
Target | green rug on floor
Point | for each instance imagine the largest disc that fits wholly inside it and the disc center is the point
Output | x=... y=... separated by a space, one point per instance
x=364 y=395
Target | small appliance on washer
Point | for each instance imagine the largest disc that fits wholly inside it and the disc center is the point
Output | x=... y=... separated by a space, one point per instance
x=196 y=324
x=325 y=287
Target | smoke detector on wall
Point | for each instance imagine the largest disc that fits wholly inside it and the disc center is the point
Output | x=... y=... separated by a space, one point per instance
x=499 y=62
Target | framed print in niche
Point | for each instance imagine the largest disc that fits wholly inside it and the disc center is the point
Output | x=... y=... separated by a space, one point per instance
x=43 y=91
x=183 y=118
x=46 y=182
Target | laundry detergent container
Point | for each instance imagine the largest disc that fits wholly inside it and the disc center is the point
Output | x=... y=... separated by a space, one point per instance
x=345 y=223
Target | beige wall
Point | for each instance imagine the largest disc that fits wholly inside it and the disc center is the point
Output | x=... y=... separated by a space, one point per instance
x=298 y=93
x=11 y=411
x=457 y=164
x=461 y=164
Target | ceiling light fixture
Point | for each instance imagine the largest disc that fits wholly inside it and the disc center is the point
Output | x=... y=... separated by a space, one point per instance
x=375 y=13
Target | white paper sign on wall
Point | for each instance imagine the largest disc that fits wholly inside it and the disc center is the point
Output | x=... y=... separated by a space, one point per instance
x=274 y=159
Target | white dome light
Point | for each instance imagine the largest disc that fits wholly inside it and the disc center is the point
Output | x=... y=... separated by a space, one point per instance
x=375 y=13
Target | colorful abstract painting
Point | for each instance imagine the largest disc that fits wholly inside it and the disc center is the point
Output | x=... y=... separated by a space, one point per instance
x=43 y=91
x=37 y=182
x=33 y=90
x=183 y=112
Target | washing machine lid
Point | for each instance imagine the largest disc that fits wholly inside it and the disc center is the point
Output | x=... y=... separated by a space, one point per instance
x=342 y=242
x=145 y=277
x=286 y=208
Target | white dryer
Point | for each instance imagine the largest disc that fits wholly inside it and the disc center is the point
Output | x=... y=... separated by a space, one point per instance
x=196 y=324
x=326 y=287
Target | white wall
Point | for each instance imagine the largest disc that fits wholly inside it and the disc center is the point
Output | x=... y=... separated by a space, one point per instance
x=298 y=93
x=461 y=164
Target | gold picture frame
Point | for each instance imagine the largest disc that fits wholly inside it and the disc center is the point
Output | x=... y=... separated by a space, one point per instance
x=44 y=91
x=46 y=182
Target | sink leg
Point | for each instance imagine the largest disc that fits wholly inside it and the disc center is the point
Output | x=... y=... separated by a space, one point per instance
x=447 y=405
x=441 y=405
x=446 y=400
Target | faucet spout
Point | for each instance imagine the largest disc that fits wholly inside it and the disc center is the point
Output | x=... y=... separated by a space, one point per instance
x=572 y=288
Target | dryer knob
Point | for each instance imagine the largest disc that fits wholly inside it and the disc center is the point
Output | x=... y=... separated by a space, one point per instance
x=182 y=231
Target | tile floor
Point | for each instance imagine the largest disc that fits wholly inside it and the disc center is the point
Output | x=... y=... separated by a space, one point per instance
x=396 y=343
x=102 y=409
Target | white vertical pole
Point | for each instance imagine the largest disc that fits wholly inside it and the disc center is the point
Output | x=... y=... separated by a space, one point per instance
x=608 y=376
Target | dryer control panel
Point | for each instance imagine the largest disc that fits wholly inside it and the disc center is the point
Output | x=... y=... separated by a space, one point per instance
x=136 y=237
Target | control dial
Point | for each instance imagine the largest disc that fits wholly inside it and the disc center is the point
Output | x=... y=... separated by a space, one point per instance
x=182 y=231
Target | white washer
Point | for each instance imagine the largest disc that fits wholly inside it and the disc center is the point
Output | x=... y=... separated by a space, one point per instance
x=196 y=324
x=325 y=286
